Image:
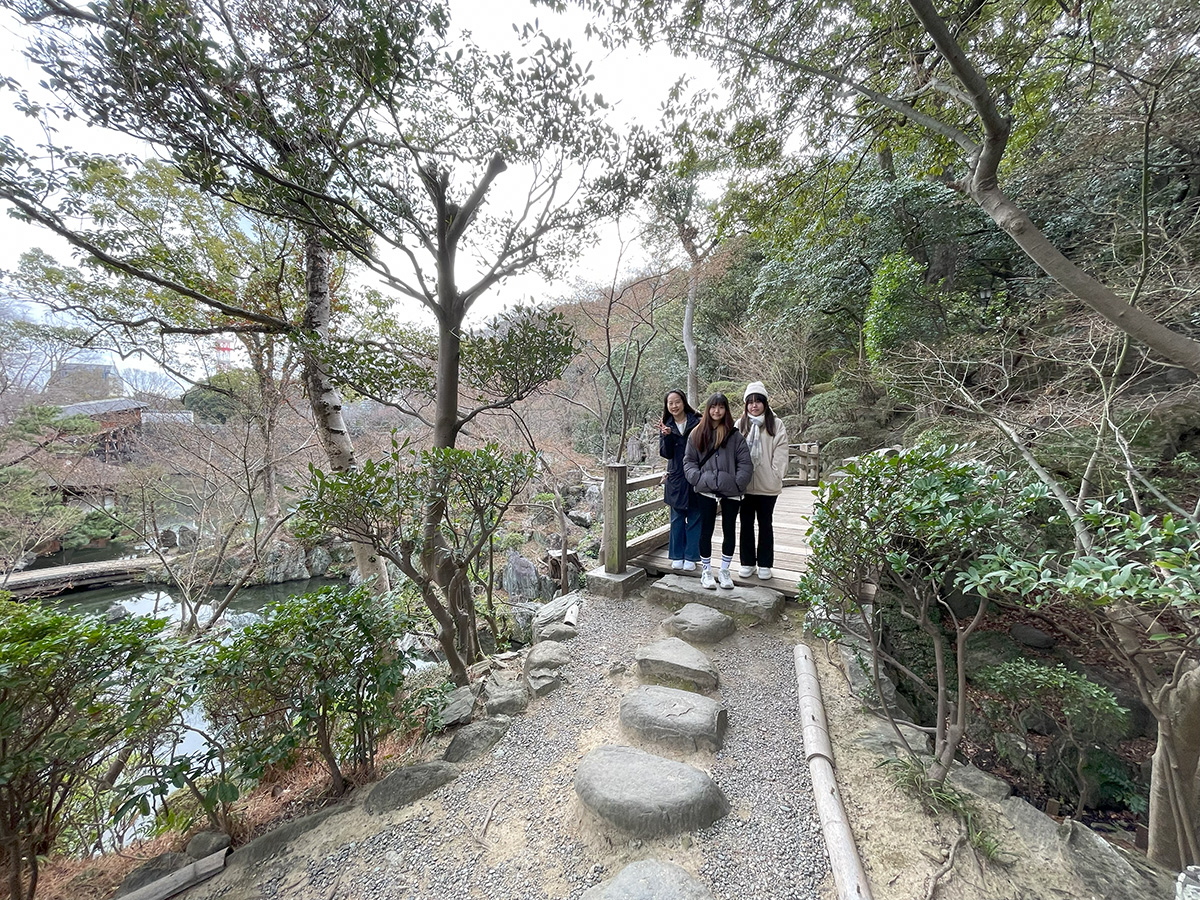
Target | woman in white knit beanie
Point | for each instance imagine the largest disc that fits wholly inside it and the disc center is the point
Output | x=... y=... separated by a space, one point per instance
x=767 y=439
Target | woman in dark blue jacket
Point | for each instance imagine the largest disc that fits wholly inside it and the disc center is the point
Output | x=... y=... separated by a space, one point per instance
x=678 y=420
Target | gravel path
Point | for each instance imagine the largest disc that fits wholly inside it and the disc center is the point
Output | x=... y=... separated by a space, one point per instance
x=539 y=841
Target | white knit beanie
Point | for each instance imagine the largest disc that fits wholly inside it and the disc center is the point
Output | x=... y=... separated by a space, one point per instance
x=754 y=387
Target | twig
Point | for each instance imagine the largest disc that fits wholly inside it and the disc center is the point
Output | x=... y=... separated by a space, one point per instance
x=946 y=867
x=487 y=820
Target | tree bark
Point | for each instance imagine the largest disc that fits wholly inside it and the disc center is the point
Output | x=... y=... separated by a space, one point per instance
x=326 y=399
x=1175 y=777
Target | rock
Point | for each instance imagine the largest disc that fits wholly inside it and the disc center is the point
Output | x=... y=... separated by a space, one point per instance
x=1102 y=868
x=981 y=784
x=522 y=621
x=695 y=622
x=277 y=840
x=678 y=719
x=151 y=870
x=206 y=843
x=167 y=539
x=556 y=610
x=520 y=578
x=476 y=739
x=460 y=705
x=283 y=561
x=116 y=613
x=187 y=538
x=318 y=560
x=989 y=648
x=556 y=632
x=649 y=879
x=759 y=603
x=880 y=738
x=542 y=666
x=1031 y=637
x=646 y=795
x=676 y=661
x=505 y=696
x=582 y=517
x=411 y=783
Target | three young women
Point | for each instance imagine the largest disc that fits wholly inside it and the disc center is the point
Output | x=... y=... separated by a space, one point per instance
x=766 y=439
x=717 y=464
x=678 y=422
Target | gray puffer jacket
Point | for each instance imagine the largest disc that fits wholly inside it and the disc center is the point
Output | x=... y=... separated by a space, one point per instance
x=724 y=473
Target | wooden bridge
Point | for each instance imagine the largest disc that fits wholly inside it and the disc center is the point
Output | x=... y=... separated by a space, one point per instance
x=56 y=579
x=649 y=550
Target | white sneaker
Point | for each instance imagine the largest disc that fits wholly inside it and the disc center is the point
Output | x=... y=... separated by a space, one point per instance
x=707 y=580
x=677 y=565
x=745 y=571
x=724 y=580
x=689 y=565
x=764 y=573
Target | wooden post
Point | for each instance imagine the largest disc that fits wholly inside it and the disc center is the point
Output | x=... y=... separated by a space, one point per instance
x=613 y=535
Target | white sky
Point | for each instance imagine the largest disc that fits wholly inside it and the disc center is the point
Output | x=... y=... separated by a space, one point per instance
x=634 y=83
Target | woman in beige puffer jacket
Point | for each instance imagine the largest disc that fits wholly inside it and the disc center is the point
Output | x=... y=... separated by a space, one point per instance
x=767 y=438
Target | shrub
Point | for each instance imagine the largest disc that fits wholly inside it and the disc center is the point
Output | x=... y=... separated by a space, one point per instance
x=320 y=671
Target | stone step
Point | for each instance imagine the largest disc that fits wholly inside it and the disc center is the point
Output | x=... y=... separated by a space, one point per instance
x=676 y=663
x=701 y=624
x=756 y=603
x=677 y=719
x=646 y=795
x=649 y=879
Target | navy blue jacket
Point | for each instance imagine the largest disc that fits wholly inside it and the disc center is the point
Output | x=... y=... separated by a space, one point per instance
x=676 y=491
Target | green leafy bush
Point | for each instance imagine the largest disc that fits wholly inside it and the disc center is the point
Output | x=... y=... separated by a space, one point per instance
x=320 y=671
x=97 y=525
x=73 y=691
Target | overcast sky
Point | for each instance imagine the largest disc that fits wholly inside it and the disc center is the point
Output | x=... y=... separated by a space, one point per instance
x=634 y=83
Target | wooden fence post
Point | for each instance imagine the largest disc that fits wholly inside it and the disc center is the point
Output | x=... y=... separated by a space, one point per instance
x=613 y=535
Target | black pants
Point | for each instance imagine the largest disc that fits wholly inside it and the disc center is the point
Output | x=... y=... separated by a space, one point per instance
x=762 y=507
x=729 y=517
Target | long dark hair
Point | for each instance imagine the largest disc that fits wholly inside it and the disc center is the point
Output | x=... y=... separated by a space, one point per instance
x=705 y=436
x=688 y=412
x=768 y=417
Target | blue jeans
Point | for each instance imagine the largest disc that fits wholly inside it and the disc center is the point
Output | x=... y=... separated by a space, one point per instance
x=685 y=534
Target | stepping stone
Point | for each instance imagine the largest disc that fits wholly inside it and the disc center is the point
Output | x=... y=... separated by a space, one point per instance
x=476 y=739
x=676 y=661
x=506 y=696
x=543 y=665
x=760 y=603
x=649 y=879
x=699 y=623
x=646 y=795
x=681 y=720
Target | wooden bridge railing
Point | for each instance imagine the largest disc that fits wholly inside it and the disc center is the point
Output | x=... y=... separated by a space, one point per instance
x=804 y=459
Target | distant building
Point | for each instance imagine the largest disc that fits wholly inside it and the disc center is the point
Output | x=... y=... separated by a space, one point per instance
x=83 y=380
x=118 y=420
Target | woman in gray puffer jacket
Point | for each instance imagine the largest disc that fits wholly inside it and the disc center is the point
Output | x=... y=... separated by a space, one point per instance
x=717 y=465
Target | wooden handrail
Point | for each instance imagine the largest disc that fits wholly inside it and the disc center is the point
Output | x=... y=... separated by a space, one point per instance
x=614 y=542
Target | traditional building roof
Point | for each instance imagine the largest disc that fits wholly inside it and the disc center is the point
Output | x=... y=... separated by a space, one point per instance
x=99 y=407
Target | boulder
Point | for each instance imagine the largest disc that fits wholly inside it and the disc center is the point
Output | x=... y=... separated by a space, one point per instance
x=673 y=660
x=476 y=739
x=279 y=839
x=505 y=695
x=405 y=785
x=681 y=720
x=318 y=560
x=460 y=705
x=649 y=879
x=696 y=622
x=543 y=667
x=646 y=795
x=557 y=632
x=206 y=843
x=520 y=578
x=981 y=784
x=1031 y=637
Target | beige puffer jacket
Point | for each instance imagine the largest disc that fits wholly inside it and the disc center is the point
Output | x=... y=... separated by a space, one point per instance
x=768 y=474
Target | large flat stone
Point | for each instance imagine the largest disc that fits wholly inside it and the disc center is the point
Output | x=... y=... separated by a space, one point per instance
x=760 y=603
x=460 y=705
x=678 y=719
x=646 y=795
x=699 y=623
x=649 y=879
x=406 y=785
x=677 y=662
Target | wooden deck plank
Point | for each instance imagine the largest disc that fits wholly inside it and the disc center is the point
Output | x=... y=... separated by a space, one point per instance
x=791 y=549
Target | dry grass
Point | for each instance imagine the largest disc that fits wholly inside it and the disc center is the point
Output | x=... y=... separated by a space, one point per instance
x=91 y=879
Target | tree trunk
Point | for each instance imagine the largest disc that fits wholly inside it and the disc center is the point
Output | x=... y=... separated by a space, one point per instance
x=326 y=399
x=689 y=337
x=1175 y=777
x=1176 y=347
